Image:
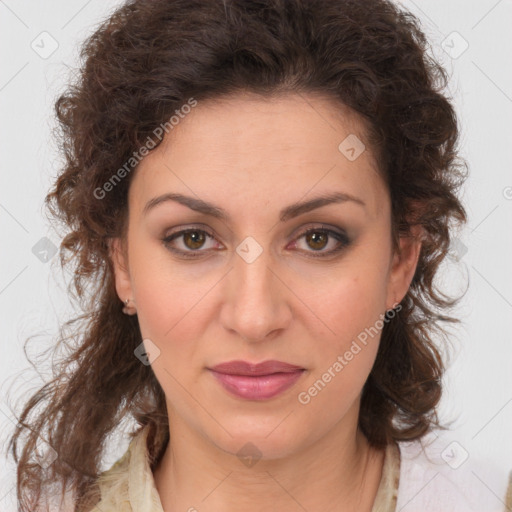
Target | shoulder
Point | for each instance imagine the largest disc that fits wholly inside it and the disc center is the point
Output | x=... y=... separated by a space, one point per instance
x=129 y=485
x=440 y=474
x=113 y=485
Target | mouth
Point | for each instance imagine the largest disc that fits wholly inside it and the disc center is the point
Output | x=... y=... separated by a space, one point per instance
x=256 y=381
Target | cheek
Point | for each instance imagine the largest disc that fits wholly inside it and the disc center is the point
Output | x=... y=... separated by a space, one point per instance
x=168 y=301
x=351 y=303
x=345 y=352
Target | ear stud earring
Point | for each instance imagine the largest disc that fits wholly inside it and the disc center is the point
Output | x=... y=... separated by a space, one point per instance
x=128 y=310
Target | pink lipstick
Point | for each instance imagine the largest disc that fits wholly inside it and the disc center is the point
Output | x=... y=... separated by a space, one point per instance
x=260 y=381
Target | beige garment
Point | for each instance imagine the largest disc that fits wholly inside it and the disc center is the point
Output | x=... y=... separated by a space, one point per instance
x=128 y=486
x=508 y=497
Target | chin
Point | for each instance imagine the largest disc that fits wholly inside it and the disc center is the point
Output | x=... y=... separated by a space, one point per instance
x=257 y=439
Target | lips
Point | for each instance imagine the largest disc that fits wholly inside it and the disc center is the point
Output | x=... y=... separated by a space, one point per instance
x=260 y=381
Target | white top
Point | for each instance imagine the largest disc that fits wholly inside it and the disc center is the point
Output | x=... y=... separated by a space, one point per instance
x=444 y=476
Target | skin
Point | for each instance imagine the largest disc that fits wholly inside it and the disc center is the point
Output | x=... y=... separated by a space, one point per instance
x=253 y=157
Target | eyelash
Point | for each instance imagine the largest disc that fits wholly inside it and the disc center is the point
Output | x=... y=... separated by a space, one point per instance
x=190 y=254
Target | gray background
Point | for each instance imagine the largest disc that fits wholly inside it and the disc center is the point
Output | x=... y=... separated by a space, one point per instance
x=472 y=39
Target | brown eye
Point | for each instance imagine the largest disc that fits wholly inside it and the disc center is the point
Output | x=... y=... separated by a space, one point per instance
x=189 y=242
x=192 y=242
x=317 y=240
x=194 y=239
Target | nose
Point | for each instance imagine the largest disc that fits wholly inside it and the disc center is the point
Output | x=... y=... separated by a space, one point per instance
x=256 y=304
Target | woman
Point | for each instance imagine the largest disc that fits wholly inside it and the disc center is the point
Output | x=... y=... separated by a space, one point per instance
x=258 y=197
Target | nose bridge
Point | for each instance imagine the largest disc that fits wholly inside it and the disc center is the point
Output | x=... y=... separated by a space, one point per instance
x=253 y=279
x=255 y=306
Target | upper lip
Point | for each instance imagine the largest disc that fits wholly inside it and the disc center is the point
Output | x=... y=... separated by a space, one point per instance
x=263 y=368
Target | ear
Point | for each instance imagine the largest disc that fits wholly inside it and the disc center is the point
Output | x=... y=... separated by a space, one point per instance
x=404 y=264
x=119 y=258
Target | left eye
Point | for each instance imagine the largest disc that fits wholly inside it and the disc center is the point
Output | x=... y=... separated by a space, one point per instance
x=316 y=238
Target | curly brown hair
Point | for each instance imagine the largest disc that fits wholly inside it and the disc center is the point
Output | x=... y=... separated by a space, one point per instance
x=141 y=65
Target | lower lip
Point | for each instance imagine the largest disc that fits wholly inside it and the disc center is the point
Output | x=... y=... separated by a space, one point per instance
x=261 y=387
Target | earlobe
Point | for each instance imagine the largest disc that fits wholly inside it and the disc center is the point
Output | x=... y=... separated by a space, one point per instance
x=404 y=265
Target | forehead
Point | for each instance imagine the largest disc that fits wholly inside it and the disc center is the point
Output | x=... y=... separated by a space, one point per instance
x=246 y=148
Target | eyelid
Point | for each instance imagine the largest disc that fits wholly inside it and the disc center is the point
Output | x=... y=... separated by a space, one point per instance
x=192 y=227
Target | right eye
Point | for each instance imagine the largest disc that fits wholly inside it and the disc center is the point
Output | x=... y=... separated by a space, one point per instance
x=192 y=240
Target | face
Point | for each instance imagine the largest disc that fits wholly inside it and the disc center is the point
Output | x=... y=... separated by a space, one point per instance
x=267 y=281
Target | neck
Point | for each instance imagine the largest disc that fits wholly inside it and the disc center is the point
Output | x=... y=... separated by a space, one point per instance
x=340 y=468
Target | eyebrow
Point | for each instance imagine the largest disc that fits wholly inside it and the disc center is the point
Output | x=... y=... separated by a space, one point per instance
x=287 y=213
